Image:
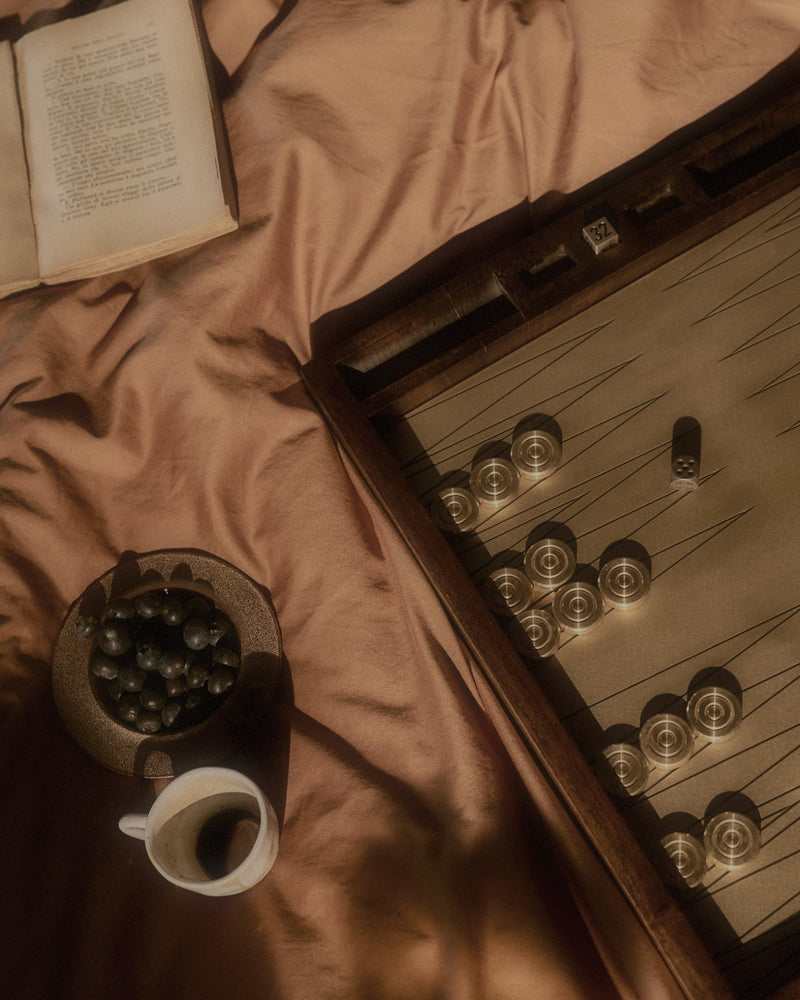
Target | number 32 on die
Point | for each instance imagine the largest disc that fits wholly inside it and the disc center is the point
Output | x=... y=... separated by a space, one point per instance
x=600 y=235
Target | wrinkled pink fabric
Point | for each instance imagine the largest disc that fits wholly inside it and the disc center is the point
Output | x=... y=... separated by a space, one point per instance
x=422 y=855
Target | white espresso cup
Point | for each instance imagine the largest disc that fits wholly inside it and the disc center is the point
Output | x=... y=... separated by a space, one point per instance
x=211 y=830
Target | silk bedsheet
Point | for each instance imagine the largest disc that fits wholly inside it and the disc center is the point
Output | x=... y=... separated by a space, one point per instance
x=421 y=855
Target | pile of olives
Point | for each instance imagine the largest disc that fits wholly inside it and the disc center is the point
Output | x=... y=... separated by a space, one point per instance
x=162 y=661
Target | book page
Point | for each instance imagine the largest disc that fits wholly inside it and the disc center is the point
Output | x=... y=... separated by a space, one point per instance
x=17 y=239
x=119 y=131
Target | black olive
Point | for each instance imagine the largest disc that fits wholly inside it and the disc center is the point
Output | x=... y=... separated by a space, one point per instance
x=175 y=686
x=114 y=637
x=218 y=626
x=172 y=663
x=114 y=690
x=220 y=681
x=225 y=657
x=170 y=712
x=195 y=633
x=149 y=605
x=128 y=707
x=153 y=697
x=198 y=606
x=148 y=655
x=172 y=611
x=131 y=678
x=103 y=665
x=196 y=675
x=120 y=607
x=148 y=722
x=86 y=626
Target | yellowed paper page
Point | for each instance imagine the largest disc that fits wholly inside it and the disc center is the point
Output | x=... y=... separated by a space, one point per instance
x=120 y=132
x=18 y=265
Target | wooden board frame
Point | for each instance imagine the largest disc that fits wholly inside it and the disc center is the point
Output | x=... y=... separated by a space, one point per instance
x=483 y=315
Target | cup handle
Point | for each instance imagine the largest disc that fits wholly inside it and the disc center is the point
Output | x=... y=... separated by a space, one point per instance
x=133 y=824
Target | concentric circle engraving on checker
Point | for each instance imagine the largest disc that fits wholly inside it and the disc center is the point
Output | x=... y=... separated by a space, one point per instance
x=623 y=582
x=535 y=452
x=666 y=740
x=714 y=713
x=578 y=606
x=549 y=563
x=630 y=769
x=508 y=591
x=688 y=856
x=494 y=480
x=535 y=633
x=455 y=509
x=731 y=839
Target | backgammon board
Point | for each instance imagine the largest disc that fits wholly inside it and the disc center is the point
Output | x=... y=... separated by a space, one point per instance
x=591 y=443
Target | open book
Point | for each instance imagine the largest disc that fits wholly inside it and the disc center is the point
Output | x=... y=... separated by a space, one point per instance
x=111 y=144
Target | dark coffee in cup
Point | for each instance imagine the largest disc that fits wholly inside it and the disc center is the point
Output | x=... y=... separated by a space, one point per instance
x=225 y=840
